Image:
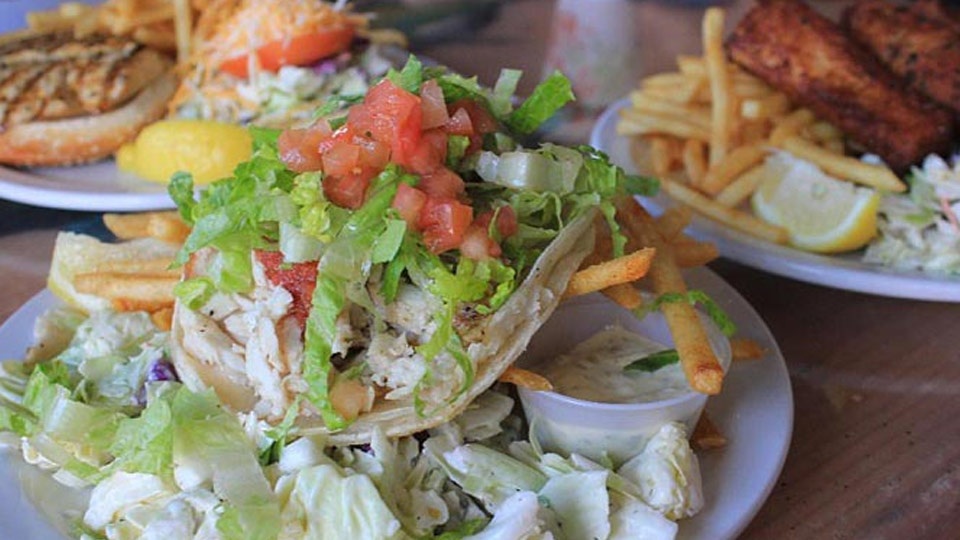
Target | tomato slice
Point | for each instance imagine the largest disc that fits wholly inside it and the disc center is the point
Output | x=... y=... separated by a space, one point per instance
x=342 y=159
x=434 y=107
x=431 y=152
x=299 y=148
x=295 y=51
x=444 y=222
x=507 y=224
x=442 y=183
x=459 y=123
x=392 y=116
x=408 y=202
x=483 y=122
x=349 y=190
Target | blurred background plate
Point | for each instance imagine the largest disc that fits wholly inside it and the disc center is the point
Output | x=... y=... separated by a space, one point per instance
x=97 y=187
x=846 y=271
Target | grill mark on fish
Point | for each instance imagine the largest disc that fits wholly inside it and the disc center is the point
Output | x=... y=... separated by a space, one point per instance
x=56 y=76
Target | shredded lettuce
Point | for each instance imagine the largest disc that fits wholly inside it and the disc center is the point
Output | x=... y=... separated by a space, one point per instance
x=205 y=433
x=194 y=292
x=410 y=77
x=345 y=261
x=654 y=362
x=237 y=214
x=501 y=100
x=547 y=98
x=319 y=218
x=145 y=444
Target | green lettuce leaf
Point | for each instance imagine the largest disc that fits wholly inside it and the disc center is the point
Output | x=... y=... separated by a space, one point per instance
x=410 y=77
x=654 y=362
x=547 y=98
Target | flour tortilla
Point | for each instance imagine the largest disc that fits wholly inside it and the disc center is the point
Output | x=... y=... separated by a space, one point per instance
x=505 y=336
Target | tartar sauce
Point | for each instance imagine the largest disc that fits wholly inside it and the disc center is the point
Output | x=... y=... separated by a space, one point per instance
x=593 y=370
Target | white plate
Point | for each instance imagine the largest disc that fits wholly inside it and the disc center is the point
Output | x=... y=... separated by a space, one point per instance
x=755 y=412
x=846 y=271
x=99 y=187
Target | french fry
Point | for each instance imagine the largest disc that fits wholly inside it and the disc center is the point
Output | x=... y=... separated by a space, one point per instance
x=686 y=92
x=128 y=292
x=691 y=254
x=790 y=125
x=660 y=125
x=732 y=217
x=775 y=104
x=737 y=191
x=644 y=104
x=720 y=85
x=672 y=222
x=753 y=132
x=168 y=226
x=706 y=435
x=746 y=349
x=694 y=162
x=836 y=146
x=699 y=362
x=597 y=277
x=526 y=379
x=163 y=319
x=183 y=27
x=730 y=167
x=844 y=167
x=165 y=225
x=660 y=156
x=823 y=131
x=666 y=80
x=625 y=295
x=127 y=226
x=146 y=267
x=744 y=89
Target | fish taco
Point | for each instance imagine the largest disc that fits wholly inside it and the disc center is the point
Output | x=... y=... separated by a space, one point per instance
x=381 y=267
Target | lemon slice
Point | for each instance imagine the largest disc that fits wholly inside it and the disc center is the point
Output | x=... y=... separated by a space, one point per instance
x=821 y=213
x=208 y=150
x=77 y=253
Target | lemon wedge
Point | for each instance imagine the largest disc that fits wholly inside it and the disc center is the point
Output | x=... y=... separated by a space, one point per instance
x=821 y=213
x=75 y=254
x=208 y=150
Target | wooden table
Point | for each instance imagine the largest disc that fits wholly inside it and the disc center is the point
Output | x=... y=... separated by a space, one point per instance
x=876 y=381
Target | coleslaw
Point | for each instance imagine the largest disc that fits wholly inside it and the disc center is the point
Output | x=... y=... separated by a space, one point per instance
x=920 y=230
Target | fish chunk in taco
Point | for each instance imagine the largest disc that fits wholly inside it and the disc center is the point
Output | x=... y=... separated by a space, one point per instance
x=383 y=266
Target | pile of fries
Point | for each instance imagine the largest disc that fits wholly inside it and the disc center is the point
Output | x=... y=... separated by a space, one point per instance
x=135 y=281
x=161 y=24
x=707 y=129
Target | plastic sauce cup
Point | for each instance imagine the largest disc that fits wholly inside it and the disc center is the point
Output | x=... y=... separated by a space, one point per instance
x=568 y=425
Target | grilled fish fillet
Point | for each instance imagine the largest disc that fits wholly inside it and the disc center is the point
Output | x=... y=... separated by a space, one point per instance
x=58 y=76
x=924 y=51
x=809 y=58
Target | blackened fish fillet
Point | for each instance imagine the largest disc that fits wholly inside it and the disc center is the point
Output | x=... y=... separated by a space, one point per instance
x=809 y=58
x=924 y=51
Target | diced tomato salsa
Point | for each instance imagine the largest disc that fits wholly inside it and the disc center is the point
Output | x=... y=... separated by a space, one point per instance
x=299 y=279
x=393 y=125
